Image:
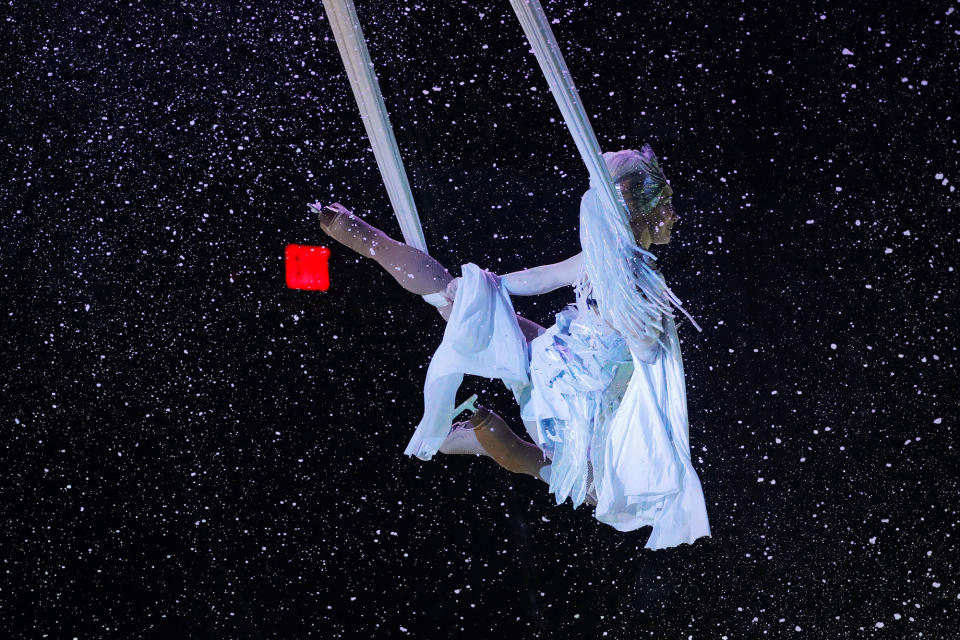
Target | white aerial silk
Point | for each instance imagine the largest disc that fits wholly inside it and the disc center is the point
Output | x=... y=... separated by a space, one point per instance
x=616 y=271
x=356 y=60
x=547 y=51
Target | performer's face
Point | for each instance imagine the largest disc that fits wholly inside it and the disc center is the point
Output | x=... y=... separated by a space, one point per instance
x=664 y=218
x=659 y=222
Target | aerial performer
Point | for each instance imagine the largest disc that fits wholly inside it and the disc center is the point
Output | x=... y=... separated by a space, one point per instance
x=601 y=392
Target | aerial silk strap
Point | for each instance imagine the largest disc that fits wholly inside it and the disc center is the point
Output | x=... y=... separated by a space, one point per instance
x=603 y=213
x=356 y=59
x=547 y=51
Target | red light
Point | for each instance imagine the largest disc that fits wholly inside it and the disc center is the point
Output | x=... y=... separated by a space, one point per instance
x=307 y=267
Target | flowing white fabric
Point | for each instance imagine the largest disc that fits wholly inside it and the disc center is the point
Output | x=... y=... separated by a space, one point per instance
x=482 y=338
x=356 y=60
x=647 y=477
x=598 y=407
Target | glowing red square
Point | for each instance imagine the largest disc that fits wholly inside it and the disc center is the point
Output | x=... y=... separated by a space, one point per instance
x=307 y=267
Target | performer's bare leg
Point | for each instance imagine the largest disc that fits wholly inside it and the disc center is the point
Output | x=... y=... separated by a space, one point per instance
x=414 y=270
x=498 y=441
x=502 y=444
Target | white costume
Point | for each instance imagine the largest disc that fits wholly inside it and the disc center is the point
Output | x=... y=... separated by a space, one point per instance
x=613 y=422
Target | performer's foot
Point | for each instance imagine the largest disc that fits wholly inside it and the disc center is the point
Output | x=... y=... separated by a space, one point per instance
x=347 y=228
x=325 y=213
x=462 y=439
x=504 y=446
x=481 y=416
x=413 y=269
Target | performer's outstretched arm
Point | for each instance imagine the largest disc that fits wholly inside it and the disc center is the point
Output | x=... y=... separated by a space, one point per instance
x=543 y=279
x=532 y=282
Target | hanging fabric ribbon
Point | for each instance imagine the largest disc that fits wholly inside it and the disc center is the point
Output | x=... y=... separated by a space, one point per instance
x=618 y=269
x=356 y=60
x=547 y=51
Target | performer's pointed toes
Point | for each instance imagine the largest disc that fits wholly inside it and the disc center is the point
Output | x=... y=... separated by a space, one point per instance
x=462 y=440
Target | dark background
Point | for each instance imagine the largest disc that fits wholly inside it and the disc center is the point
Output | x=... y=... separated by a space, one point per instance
x=190 y=449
